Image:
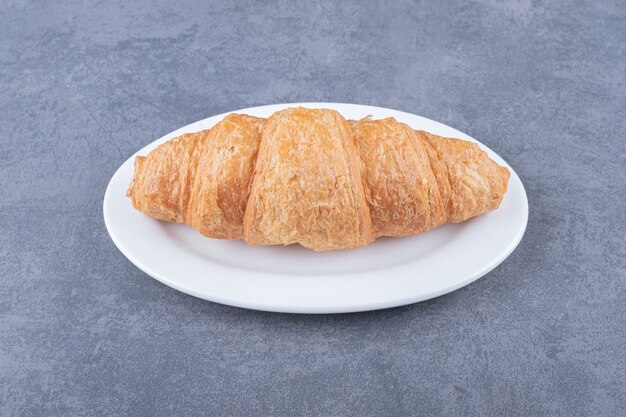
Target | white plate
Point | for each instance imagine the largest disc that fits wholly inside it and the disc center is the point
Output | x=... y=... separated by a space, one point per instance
x=388 y=273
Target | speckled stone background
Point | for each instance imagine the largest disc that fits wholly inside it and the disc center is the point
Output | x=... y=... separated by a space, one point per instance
x=84 y=332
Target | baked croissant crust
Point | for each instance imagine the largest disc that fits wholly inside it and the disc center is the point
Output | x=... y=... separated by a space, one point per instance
x=309 y=176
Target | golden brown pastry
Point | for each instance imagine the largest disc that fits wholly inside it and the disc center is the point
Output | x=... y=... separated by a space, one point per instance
x=308 y=176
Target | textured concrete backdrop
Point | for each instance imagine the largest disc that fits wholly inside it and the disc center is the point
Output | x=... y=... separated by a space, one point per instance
x=84 y=332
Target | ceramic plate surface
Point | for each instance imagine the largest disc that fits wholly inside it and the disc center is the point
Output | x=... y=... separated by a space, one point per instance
x=388 y=273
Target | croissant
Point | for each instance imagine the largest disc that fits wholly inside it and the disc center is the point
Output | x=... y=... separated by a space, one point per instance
x=311 y=177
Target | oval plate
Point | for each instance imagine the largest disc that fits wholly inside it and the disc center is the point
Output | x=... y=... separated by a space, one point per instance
x=390 y=272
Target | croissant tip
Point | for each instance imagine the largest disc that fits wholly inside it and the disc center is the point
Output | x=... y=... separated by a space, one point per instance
x=138 y=161
x=506 y=174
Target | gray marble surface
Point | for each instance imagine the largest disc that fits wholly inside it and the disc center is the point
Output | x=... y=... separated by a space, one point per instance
x=84 y=85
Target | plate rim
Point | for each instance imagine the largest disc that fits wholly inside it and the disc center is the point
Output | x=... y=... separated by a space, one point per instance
x=287 y=308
